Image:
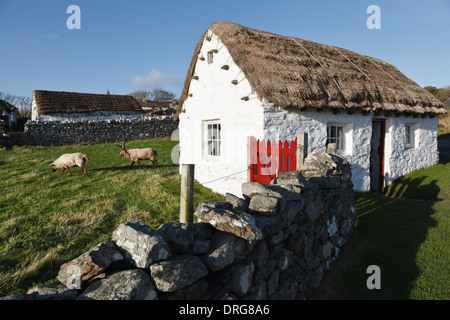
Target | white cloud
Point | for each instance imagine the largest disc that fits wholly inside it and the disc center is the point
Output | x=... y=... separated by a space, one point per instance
x=156 y=80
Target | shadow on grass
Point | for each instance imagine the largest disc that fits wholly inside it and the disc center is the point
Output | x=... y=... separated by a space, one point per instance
x=389 y=235
x=414 y=189
x=423 y=187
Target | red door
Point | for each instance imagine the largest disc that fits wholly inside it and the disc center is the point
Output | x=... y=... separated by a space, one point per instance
x=269 y=158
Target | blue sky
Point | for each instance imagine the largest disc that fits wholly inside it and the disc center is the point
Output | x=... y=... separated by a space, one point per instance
x=124 y=46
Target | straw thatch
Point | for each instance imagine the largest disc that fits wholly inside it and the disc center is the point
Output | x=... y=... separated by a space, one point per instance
x=50 y=102
x=296 y=73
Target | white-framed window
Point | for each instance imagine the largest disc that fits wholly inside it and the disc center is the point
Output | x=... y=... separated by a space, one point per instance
x=336 y=134
x=213 y=138
x=410 y=135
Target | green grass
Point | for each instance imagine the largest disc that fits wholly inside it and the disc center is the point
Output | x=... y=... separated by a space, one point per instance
x=406 y=234
x=36 y=205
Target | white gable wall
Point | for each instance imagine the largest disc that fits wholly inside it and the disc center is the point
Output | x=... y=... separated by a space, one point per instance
x=214 y=97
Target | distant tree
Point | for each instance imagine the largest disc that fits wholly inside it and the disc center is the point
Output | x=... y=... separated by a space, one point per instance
x=107 y=92
x=441 y=94
x=432 y=90
x=154 y=95
x=140 y=95
x=161 y=95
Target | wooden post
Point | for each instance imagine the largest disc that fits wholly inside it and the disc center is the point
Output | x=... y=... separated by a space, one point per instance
x=249 y=159
x=187 y=194
x=302 y=149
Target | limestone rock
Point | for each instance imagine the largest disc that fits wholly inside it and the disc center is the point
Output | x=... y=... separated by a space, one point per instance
x=259 y=292
x=265 y=205
x=225 y=248
x=221 y=218
x=179 y=239
x=241 y=278
x=75 y=273
x=53 y=292
x=236 y=202
x=125 y=285
x=177 y=273
x=142 y=245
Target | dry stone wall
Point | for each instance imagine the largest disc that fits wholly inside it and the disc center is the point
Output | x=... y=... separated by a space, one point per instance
x=274 y=243
x=73 y=132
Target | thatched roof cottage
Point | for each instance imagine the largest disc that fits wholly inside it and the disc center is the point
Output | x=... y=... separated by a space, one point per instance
x=63 y=106
x=244 y=82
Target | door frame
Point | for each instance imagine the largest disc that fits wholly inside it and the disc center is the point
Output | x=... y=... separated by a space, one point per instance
x=381 y=150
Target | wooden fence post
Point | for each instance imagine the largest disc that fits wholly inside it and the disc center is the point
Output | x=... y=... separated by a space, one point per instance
x=302 y=149
x=187 y=194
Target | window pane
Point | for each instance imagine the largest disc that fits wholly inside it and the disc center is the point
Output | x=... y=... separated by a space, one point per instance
x=335 y=134
x=213 y=139
x=408 y=135
x=209 y=147
x=209 y=131
x=340 y=131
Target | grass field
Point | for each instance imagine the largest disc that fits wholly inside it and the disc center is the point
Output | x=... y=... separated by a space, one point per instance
x=36 y=205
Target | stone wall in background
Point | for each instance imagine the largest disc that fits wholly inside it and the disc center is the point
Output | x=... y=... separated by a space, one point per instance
x=274 y=243
x=74 y=132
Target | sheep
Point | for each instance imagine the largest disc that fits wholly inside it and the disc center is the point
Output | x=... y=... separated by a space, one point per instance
x=136 y=155
x=69 y=160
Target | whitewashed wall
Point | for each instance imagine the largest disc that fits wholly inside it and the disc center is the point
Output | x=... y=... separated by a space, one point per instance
x=285 y=124
x=399 y=160
x=92 y=116
x=214 y=97
x=403 y=160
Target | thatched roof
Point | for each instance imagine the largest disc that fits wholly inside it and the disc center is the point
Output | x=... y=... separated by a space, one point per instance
x=49 y=102
x=291 y=72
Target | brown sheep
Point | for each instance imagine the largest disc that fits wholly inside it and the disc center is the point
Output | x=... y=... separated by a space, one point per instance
x=136 y=155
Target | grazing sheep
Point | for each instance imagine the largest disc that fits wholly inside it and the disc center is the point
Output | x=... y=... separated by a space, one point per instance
x=136 y=155
x=69 y=160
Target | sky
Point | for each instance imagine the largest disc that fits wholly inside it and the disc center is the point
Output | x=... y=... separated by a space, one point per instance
x=124 y=46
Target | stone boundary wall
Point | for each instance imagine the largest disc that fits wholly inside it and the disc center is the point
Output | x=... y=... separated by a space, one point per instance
x=74 y=132
x=274 y=243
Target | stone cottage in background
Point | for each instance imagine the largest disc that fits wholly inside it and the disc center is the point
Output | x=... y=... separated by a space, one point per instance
x=73 y=106
x=244 y=82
